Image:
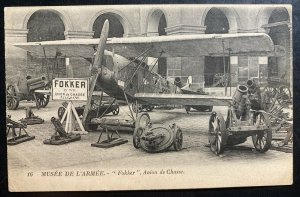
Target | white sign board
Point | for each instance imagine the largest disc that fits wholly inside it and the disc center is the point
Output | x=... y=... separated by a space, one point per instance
x=70 y=89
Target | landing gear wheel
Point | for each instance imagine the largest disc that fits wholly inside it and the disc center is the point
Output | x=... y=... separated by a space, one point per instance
x=89 y=126
x=60 y=112
x=178 y=138
x=141 y=123
x=262 y=139
x=210 y=108
x=116 y=110
x=217 y=133
x=12 y=101
x=284 y=95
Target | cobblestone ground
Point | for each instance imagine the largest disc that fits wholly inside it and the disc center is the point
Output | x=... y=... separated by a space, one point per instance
x=238 y=161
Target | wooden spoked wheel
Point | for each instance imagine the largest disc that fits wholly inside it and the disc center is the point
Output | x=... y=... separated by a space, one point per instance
x=271 y=90
x=262 y=139
x=141 y=123
x=42 y=100
x=217 y=133
x=284 y=95
x=12 y=101
x=177 y=144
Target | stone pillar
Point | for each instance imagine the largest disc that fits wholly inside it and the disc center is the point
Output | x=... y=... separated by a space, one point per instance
x=186 y=66
x=79 y=66
x=15 y=58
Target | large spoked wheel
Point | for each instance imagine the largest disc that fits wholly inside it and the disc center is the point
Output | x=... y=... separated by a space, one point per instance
x=12 y=101
x=284 y=95
x=271 y=90
x=141 y=123
x=262 y=139
x=116 y=110
x=177 y=144
x=217 y=133
x=60 y=112
x=42 y=100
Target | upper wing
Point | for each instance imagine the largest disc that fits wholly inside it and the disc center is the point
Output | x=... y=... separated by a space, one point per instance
x=182 y=99
x=162 y=46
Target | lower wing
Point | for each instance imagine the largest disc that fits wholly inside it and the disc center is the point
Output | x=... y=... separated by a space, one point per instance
x=182 y=99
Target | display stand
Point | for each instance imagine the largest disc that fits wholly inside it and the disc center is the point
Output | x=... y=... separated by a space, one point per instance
x=69 y=115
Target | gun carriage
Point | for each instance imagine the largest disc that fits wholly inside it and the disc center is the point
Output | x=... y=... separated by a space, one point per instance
x=27 y=89
x=244 y=119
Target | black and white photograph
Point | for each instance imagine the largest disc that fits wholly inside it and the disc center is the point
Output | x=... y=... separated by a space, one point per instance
x=148 y=97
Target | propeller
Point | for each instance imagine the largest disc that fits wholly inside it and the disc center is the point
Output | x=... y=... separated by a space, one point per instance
x=97 y=67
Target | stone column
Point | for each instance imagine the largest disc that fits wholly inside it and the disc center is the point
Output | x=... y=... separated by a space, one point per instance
x=186 y=66
x=15 y=58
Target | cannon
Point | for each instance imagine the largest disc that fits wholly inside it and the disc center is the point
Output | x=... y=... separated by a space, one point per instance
x=154 y=138
x=21 y=136
x=60 y=136
x=245 y=118
x=28 y=89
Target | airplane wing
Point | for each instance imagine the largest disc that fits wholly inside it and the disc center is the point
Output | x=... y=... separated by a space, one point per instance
x=256 y=44
x=181 y=99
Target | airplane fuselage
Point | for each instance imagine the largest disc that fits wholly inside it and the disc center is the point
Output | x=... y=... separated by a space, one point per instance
x=119 y=75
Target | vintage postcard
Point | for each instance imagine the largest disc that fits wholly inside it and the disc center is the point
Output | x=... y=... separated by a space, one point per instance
x=140 y=97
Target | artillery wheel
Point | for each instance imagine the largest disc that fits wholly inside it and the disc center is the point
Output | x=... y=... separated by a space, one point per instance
x=284 y=95
x=271 y=90
x=217 y=133
x=141 y=123
x=12 y=101
x=61 y=112
x=91 y=114
x=116 y=110
x=178 y=138
x=42 y=100
x=262 y=139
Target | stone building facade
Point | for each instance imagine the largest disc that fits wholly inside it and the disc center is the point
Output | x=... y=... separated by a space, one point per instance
x=24 y=24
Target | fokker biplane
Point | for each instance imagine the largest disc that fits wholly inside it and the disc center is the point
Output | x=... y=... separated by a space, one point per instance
x=119 y=67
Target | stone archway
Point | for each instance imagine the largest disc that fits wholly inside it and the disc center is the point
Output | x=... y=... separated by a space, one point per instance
x=156 y=24
x=116 y=28
x=216 y=22
x=279 y=30
x=45 y=25
x=115 y=14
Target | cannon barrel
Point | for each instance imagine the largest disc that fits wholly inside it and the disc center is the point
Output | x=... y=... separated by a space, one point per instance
x=34 y=80
x=238 y=95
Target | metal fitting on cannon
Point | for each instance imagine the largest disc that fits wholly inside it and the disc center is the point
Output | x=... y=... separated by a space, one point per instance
x=240 y=101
